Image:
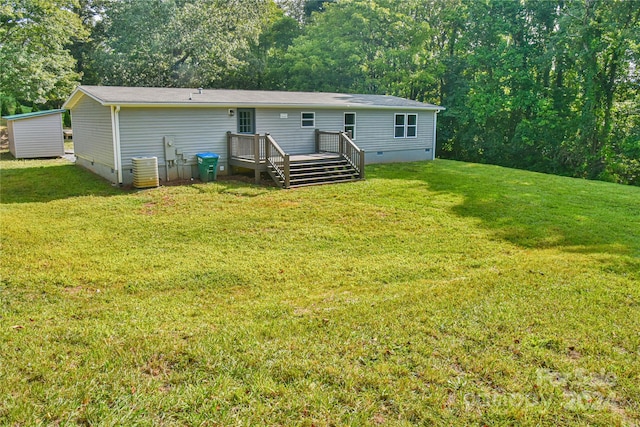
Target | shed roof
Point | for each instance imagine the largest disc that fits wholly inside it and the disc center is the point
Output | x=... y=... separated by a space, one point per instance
x=34 y=114
x=182 y=97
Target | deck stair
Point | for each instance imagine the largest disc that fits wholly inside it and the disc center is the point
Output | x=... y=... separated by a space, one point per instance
x=336 y=159
x=316 y=169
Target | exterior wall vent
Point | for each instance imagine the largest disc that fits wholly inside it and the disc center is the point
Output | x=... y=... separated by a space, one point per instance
x=145 y=172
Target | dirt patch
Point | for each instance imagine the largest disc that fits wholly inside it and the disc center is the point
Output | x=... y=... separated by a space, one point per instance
x=265 y=181
x=4 y=138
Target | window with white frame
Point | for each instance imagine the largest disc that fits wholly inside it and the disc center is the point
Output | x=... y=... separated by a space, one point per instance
x=350 y=124
x=308 y=120
x=405 y=125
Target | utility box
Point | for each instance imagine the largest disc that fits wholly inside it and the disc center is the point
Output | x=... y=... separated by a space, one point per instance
x=207 y=166
x=145 y=172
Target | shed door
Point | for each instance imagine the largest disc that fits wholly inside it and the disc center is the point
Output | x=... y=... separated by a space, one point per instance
x=246 y=120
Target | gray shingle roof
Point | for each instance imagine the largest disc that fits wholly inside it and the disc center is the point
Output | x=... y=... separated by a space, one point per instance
x=117 y=95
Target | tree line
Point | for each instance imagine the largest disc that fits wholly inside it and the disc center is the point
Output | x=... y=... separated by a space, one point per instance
x=550 y=86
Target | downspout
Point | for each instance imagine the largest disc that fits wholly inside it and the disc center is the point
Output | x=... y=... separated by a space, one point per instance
x=115 y=127
x=435 y=120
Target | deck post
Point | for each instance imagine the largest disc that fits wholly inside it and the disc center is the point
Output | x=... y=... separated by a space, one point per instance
x=361 y=164
x=317 y=139
x=256 y=156
x=267 y=147
x=287 y=170
x=229 y=152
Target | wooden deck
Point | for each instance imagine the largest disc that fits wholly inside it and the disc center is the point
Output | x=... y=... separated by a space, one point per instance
x=261 y=166
x=248 y=162
x=337 y=159
x=314 y=156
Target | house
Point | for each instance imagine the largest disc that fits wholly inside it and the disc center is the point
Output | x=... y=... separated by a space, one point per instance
x=283 y=133
x=36 y=135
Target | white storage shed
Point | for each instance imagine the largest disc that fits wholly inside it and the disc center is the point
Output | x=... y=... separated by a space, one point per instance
x=37 y=134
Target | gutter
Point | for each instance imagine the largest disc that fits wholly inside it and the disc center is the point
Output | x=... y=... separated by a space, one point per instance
x=435 y=122
x=271 y=106
x=115 y=131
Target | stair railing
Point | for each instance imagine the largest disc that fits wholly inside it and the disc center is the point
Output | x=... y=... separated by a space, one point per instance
x=278 y=160
x=341 y=143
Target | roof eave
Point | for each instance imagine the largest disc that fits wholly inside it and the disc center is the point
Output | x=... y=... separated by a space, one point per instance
x=34 y=114
x=77 y=94
x=264 y=105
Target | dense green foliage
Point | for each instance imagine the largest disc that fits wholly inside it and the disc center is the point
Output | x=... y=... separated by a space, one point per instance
x=173 y=43
x=35 y=64
x=433 y=293
x=550 y=86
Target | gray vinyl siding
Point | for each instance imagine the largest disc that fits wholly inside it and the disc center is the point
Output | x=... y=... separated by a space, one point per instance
x=35 y=137
x=204 y=129
x=195 y=130
x=374 y=129
x=289 y=133
x=92 y=135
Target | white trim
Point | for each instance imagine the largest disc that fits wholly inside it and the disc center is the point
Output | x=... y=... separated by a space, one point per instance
x=75 y=97
x=405 y=126
x=115 y=131
x=266 y=105
x=355 y=123
x=302 y=119
x=433 y=146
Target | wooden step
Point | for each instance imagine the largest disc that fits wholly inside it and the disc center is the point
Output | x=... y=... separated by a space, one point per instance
x=308 y=184
x=322 y=172
x=321 y=178
x=317 y=161
x=317 y=171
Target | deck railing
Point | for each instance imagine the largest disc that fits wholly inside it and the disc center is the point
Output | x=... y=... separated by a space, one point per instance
x=246 y=146
x=278 y=160
x=340 y=142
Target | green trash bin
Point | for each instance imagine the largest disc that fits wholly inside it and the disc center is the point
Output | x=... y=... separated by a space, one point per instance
x=207 y=166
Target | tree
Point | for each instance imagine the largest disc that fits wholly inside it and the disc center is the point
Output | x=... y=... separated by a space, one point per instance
x=175 y=42
x=36 y=64
x=602 y=39
x=301 y=10
x=545 y=86
x=360 y=46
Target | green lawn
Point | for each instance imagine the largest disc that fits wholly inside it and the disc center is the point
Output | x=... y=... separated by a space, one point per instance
x=439 y=293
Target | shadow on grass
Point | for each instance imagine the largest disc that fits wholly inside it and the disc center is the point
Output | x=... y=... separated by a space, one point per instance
x=45 y=180
x=534 y=210
x=33 y=181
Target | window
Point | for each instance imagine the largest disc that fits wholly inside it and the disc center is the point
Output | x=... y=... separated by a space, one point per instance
x=399 y=126
x=412 y=125
x=406 y=126
x=308 y=120
x=350 y=124
x=245 y=120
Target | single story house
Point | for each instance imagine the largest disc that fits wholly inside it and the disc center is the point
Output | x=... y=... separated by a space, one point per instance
x=112 y=125
x=36 y=135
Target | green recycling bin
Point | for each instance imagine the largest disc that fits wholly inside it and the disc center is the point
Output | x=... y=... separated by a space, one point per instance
x=207 y=166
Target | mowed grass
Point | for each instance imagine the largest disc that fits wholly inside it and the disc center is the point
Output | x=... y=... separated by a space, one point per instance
x=438 y=293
